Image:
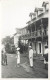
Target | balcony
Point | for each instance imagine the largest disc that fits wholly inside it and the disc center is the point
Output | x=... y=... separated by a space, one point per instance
x=35 y=34
x=45 y=32
x=38 y=33
x=26 y=36
x=41 y=33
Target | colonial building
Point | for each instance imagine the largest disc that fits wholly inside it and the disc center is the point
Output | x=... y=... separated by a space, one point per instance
x=36 y=32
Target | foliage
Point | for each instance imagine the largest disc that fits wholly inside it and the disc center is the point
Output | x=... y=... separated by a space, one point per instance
x=23 y=47
x=8 y=42
x=7 y=48
x=7 y=39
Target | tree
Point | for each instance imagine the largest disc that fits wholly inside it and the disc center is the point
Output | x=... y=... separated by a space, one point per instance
x=8 y=48
x=6 y=40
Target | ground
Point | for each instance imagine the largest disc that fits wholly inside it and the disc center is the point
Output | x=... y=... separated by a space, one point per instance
x=24 y=71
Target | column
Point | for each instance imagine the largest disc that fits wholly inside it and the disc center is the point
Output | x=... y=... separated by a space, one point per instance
x=35 y=38
x=42 y=37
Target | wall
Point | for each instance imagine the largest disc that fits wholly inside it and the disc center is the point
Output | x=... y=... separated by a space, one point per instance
x=43 y=46
x=37 y=47
x=16 y=39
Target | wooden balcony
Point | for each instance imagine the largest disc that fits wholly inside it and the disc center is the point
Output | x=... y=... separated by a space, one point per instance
x=45 y=32
x=38 y=33
x=35 y=34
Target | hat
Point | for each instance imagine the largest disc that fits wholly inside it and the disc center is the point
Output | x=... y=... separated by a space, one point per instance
x=18 y=48
x=29 y=46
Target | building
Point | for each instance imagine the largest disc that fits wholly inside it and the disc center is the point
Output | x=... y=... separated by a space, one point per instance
x=36 y=32
x=16 y=37
x=19 y=35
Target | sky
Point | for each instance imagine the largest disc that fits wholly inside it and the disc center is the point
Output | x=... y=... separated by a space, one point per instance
x=15 y=14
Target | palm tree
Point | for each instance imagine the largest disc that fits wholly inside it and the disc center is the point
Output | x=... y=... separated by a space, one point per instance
x=44 y=4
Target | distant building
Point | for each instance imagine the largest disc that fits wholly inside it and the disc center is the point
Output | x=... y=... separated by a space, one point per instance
x=16 y=37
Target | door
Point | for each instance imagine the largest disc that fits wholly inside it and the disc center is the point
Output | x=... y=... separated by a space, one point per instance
x=39 y=47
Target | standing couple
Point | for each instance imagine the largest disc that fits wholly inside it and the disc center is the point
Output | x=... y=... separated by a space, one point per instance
x=30 y=56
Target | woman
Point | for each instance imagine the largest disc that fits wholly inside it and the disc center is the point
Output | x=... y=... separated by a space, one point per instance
x=18 y=57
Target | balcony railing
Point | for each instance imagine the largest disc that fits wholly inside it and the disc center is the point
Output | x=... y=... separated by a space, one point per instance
x=38 y=33
x=33 y=33
x=45 y=32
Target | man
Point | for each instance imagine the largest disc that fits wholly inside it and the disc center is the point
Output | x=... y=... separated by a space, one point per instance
x=31 y=56
x=18 y=57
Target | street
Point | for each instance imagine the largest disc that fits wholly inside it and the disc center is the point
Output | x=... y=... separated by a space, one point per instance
x=24 y=71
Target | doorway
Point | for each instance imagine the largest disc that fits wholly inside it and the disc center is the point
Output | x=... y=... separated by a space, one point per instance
x=39 y=47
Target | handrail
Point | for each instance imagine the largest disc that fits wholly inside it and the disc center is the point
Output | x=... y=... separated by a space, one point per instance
x=36 y=33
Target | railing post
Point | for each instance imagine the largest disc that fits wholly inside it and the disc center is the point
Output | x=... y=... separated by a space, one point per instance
x=31 y=35
x=42 y=37
x=35 y=38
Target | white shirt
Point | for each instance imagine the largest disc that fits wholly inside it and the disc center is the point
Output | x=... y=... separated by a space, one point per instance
x=30 y=53
x=46 y=51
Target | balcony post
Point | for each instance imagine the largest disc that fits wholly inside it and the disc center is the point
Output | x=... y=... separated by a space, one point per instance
x=42 y=37
x=35 y=38
x=31 y=35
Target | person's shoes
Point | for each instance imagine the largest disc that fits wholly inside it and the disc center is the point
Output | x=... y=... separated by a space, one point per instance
x=31 y=66
x=3 y=64
x=6 y=64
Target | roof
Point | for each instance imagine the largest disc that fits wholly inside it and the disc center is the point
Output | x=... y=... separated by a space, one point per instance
x=35 y=19
x=15 y=34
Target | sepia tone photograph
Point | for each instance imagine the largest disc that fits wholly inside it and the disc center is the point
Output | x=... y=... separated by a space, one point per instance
x=24 y=38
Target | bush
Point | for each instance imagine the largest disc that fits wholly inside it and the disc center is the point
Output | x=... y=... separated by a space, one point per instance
x=13 y=49
x=9 y=48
